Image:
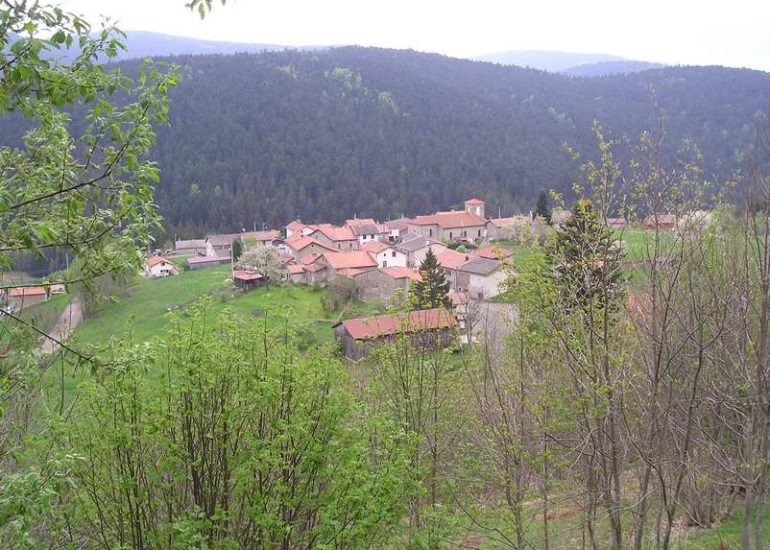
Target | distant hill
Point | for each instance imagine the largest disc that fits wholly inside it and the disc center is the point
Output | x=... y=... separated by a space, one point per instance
x=550 y=61
x=149 y=44
x=605 y=68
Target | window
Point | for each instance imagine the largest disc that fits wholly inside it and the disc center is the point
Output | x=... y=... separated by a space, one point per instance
x=465 y=233
x=450 y=234
x=479 y=232
x=430 y=232
x=384 y=263
x=393 y=254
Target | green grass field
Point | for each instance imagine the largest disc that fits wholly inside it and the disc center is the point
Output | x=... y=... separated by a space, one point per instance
x=144 y=313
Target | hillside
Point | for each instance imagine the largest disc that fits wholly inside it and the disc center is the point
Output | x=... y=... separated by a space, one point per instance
x=321 y=135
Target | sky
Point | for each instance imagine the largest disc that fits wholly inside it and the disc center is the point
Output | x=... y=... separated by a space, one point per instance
x=705 y=32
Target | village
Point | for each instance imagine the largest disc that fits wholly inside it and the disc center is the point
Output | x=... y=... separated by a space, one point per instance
x=374 y=262
x=378 y=261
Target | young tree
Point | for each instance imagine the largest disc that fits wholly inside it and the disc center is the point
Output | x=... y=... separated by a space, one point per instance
x=541 y=208
x=433 y=290
x=264 y=259
x=240 y=442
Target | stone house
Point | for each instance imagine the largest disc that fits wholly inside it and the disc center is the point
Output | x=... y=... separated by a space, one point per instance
x=191 y=247
x=415 y=247
x=300 y=246
x=454 y=225
x=336 y=238
x=26 y=296
x=202 y=262
x=480 y=278
x=388 y=285
x=432 y=329
x=348 y=264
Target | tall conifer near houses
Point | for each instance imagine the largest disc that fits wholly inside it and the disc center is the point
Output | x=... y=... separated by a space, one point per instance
x=433 y=290
x=585 y=258
x=541 y=208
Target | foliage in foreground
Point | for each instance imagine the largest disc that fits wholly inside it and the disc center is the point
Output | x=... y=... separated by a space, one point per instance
x=225 y=436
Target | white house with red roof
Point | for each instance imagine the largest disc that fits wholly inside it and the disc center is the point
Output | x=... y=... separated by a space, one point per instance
x=385 y=255
x=158 y=266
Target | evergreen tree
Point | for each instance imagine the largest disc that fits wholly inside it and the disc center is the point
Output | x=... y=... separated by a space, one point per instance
x=237 y=248
x=585 y=258
x=542 y=209
x=433 y=290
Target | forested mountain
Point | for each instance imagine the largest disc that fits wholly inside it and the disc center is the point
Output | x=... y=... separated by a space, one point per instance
x=324 y=135
x=605 y=68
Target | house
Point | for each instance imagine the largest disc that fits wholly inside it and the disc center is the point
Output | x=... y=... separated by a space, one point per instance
x=468 y=224
x=26 y=296
x=415 y=247
x=308 y=271
x=336 y=238
x=294 y=229
x=158 y=266
x=616 y=223
x=270 y=237
x=666 y=222
x=191 y=247
x=515 y=228
x=384 y=255
x=397 y=229
x=480 y=278
x=366 y=230
x=221 y=245
x=388 y=285
x=300 y=246
x=450 y=260
x=247 y=280
x=432 y=329
x=347 y=264
x=202 y=262
x=56 y=289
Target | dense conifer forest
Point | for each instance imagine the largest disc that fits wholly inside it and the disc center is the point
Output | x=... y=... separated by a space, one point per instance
x=265 y=138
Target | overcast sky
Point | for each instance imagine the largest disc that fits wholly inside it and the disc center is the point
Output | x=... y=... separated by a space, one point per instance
x=734 y=33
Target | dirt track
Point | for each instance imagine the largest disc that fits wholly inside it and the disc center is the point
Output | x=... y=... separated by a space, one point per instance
x=68 y=320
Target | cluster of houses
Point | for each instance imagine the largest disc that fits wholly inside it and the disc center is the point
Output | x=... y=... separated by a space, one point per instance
x=382 y=259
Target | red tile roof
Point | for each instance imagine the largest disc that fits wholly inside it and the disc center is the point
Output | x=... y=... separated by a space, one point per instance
x=247 y=276
x=155 y=260
x=335 y=233
x=348 y=260
x=375 y=247
x=402 y=273
x=474 y=201
x=451 y=259
x=300 y=242
x=451 y=220
x=27 y=291
x=360 y=221
x=294 y=269
x=493 y=252
x=458 y=298
x=404 y=323
x=296 y=225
